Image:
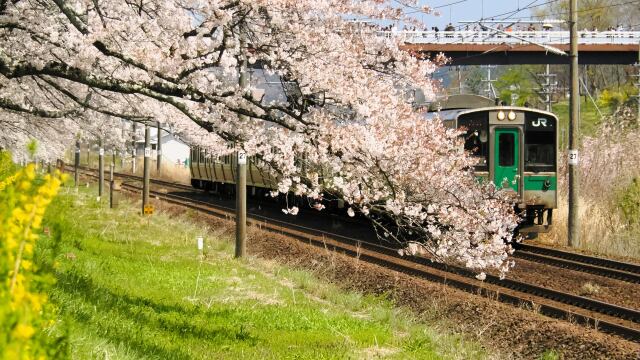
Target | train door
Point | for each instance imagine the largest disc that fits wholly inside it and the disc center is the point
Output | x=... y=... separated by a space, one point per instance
x=507 y=159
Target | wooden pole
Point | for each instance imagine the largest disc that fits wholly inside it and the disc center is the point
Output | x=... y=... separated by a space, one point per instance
x=147 y=166
x=133 y=150
x=241 y=180
x=111 y=184
x=100 y=168
x=637 y=83
x=241 y=205
x=574 y=132
x=76 y=163
x=159 y=150
x=111 y=179
x=88 y=154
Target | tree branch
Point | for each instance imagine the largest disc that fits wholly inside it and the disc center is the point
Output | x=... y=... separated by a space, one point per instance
x=8 y=105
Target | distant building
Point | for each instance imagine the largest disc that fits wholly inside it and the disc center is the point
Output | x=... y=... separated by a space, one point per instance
x=174 y=151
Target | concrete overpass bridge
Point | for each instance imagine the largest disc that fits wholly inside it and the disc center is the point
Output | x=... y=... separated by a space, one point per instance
x=489 y=47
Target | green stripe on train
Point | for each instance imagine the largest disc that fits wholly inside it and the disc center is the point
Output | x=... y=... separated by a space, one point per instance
x=537 y=182
x=532 y=182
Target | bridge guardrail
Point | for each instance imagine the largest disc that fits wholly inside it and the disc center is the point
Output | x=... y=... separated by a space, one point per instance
x=514 y=37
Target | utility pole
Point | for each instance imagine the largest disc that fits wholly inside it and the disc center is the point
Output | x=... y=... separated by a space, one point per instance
x=147 y=166
x=460 y=87
x=548 y=87
x=133 y=150
x=76 y=174
x=100 y=168
x=111 y=181
x=491 y=91
x=637 y=83
x=88 y=154
x=574 y=131
x=241 y=170
x=159 y=149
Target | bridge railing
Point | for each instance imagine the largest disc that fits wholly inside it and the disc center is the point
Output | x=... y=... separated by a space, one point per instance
x=514 y=37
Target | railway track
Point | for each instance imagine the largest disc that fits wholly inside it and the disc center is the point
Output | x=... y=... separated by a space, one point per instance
x=595 y=314
x=584 y=263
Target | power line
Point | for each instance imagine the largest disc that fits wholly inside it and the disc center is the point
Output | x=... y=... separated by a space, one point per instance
x=511 y=13
x=590 y=9
x=453 y=3
x=527 y=7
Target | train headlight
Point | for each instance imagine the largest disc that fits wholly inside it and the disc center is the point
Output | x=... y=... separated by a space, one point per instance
x=512 y=115
x=501 y=115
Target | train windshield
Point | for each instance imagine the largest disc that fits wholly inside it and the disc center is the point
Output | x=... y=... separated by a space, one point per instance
x=476 y=139
x=540 y=141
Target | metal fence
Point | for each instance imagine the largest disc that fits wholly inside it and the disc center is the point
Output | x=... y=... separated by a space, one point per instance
x=514 y=37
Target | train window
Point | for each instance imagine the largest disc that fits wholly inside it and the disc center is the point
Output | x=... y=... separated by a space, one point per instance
x=506 y=146
x=476 y=139
x=539 y=143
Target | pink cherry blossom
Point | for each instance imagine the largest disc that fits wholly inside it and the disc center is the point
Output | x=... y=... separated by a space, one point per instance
x=341 y=123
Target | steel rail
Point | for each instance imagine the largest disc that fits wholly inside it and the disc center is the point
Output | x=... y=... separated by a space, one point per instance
x=136 y=177
x=612 y=319
x=594 y=265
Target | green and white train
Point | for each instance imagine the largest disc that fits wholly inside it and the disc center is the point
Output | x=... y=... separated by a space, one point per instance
x=516 y=148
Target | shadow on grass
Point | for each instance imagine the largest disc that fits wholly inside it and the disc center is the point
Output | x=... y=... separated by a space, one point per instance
x=146 y=326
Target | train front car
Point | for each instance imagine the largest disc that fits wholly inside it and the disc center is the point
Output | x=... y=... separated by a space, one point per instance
x=516 y=149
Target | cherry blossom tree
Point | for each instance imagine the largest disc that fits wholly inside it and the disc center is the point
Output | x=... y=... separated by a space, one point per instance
x=343 y=128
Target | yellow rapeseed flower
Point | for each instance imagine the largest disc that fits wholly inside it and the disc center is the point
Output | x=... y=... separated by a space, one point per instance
x=26 y=265
x=23 y=331
x=25 y=201
x=25 y=185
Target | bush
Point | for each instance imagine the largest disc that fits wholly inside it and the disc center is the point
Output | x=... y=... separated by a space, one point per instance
x=27 y=319
x=615 y=99
x=629 y=202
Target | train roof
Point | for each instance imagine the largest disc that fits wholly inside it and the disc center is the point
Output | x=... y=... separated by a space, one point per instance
x=444 y=114
x=466 y=101
x=452 y=114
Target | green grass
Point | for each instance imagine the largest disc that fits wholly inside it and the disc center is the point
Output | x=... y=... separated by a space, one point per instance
x=550 y=355
x=134 y=288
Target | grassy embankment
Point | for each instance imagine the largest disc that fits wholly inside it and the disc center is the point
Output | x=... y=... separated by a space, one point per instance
x=135 y=288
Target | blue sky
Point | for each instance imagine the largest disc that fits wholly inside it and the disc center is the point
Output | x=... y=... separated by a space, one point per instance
x=470 y=10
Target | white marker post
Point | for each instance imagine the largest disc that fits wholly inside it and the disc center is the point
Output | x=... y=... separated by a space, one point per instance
x=200 y=245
